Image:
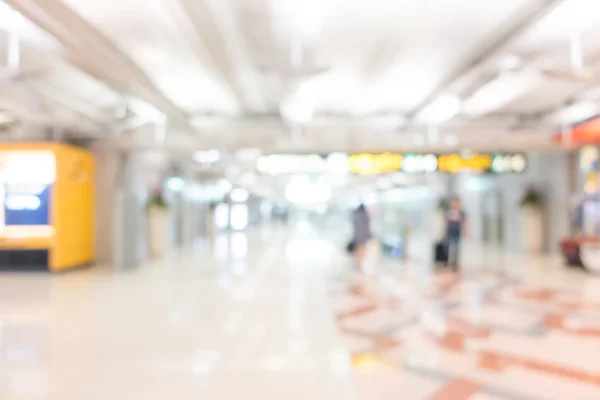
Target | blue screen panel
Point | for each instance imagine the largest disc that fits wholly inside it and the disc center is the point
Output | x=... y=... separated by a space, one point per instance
x=26 y=207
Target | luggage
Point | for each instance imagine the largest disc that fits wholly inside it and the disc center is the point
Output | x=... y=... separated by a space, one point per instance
x=350 y=247
x=441 y=252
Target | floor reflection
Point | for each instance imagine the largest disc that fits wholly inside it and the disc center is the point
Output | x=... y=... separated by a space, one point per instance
x=480 y=335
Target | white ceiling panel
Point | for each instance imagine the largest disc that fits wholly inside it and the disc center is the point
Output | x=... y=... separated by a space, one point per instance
x=237 y=61
x=421 y=41
x=556 y=28
x=150 y=32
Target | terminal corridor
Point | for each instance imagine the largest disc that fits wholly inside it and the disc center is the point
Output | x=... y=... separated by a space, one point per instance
x=283 y=313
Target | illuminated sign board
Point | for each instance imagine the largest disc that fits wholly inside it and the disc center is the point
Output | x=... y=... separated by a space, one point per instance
x=415 y=163
x=368 y=164
x=384 y=163
x=503 y=163
x=27 y=205
x=281 y=164
x=420 y=163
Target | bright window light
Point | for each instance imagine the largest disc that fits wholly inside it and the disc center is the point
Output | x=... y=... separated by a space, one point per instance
x=207 y=156
x=222 y=216
x=239 y=217
x=440 y=110
x=224 y=185
x=338 y=163
x=239 y=195
x=175 y=184
x=27 y=167
x=248 y=179
x=19 y=202
x=308 y=193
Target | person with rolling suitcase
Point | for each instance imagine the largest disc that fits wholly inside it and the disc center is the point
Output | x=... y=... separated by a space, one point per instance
x=361 y=226
x=456 y=225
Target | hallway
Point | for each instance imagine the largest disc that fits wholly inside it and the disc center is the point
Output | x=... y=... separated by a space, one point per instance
x=237 y=321
x=273 y=314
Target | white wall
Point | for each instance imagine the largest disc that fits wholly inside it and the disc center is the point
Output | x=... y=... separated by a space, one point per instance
x=105 y=170
x=549 y=171
x=122 y=182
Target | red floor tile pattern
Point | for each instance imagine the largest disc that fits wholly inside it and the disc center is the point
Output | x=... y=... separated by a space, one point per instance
x=458 y=389
x=458 y=332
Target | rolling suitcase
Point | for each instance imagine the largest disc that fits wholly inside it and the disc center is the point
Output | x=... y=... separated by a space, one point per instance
x=441 y=253
x=350 y=247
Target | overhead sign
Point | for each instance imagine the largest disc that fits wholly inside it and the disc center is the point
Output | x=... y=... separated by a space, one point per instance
x=369 y=164
x=584 y=133
x=419 y=163
x=281 y=164
x=27 y=205
x=384 y=163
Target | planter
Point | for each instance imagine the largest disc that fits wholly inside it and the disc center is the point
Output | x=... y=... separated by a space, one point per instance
x=532 y=229
x=439 y=224
x=157 y=230
x=590 y=257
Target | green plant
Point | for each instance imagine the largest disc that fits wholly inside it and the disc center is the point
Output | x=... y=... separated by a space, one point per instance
x=444 y=205
x=532 y=198
x=157 y=200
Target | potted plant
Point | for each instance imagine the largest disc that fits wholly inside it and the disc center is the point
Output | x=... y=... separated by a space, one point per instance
x=532 y=219
x=443 y=205
x=157 y=223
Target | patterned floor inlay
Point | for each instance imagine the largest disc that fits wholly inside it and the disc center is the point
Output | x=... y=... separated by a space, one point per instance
x=486 y=338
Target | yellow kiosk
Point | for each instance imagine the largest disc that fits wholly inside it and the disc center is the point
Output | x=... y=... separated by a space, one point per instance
x=46 y=206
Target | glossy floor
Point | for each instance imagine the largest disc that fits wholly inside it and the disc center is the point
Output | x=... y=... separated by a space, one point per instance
x=230 y=320
x=530 y=332
x=276 y=314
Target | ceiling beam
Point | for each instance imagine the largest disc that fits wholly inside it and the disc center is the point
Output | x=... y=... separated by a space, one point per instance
x=86 y=46
x=211 y=42
x=203 y=32
x=531 y=13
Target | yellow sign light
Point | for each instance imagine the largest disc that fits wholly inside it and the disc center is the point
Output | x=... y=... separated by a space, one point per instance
x=455 y=163
x=368 y=164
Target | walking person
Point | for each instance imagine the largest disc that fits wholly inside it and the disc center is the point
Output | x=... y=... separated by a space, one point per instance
x=361 y=224
x=456 y=226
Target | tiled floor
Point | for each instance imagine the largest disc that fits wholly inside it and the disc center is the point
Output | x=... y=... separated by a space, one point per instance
x=530 y=333
x=275 y=314
x=238 y=322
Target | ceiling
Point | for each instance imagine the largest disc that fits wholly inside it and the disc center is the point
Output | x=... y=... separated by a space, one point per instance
x=311 y=75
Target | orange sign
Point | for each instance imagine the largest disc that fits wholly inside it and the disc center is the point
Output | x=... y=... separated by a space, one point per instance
x=367 y=164
x=455 y=163
x=586 y=133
